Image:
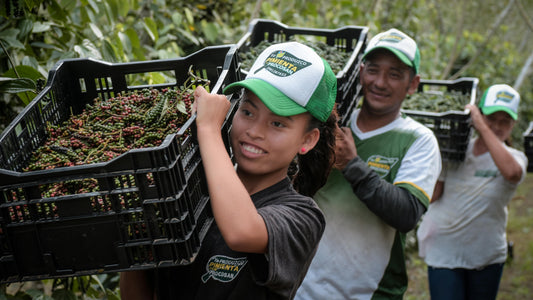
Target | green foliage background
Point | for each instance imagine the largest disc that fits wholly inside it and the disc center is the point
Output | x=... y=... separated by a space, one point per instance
x=457 y=38
x=491 y=40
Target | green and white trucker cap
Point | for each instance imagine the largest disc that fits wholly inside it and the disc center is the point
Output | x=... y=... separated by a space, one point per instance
x=500 y=97
x=403 y=46
x=291 y=78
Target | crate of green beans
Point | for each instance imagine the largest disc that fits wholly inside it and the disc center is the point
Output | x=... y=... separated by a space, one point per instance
x=440 y=105
x=342 y=48
x=102 y=173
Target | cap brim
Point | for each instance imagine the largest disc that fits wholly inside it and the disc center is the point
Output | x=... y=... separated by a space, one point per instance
x=396 y=52
x=275 y=100
x=492 y=109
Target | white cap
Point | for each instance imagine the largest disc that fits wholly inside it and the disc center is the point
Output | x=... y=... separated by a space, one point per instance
x=500 y=97
x=291 y=78
x=403 y=46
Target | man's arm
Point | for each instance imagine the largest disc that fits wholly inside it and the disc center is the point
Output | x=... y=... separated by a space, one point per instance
x=394 y=205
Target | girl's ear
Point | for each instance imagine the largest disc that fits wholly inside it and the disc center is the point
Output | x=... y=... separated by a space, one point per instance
x=310 y=140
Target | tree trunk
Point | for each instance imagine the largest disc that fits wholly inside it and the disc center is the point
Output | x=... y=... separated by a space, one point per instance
x=526 y=69
x=458 y=34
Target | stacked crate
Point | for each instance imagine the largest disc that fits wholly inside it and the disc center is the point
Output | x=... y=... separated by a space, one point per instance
x=151 y=205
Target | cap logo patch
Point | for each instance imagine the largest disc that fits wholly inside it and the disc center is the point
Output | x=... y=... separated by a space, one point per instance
x=392 y=37
x=283 y=64
x=504 y=96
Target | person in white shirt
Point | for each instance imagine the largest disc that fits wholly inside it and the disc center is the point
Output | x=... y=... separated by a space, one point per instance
x=462 y=237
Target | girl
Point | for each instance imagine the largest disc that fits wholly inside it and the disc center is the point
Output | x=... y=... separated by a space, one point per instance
x=462 y=236
x=266 y=233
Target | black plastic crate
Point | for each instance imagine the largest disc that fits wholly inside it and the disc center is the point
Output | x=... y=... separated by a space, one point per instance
x=528 y=146
x=151 y=205
x=347 y=39
x=453 y=129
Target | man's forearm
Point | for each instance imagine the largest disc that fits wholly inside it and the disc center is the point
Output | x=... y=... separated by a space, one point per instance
x=394 y=205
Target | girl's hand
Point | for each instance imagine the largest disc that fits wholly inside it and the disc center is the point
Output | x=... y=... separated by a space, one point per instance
x=478 y=120
x=211 y=109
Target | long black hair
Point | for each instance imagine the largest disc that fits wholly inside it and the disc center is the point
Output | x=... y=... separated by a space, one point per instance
x=310 y=171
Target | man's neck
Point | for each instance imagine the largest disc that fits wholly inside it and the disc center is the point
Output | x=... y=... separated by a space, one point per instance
x=367 y=121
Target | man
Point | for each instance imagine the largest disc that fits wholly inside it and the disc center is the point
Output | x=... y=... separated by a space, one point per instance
x=386 y=167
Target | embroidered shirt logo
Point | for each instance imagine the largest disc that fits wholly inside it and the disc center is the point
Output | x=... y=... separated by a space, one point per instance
x=223 y=268
x=381 y=165
x=486 y=173
x=283 y=64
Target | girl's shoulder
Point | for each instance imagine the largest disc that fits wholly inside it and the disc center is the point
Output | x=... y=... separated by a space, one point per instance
x=280 y=193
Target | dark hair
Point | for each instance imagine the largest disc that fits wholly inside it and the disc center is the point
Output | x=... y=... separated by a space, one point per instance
x=310 y=172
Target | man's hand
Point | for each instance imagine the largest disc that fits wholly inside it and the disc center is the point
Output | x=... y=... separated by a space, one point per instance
x=345 y=149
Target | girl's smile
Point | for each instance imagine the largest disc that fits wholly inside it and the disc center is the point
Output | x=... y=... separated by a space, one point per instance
x=252 y=149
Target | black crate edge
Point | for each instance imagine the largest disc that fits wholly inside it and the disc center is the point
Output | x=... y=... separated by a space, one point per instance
x=528 y=146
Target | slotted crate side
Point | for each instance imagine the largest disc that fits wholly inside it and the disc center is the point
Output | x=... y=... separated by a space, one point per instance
x=347 y=39
x=528 y=146
x=91 y=253
x=130 y=207
x=452 y=129
x=352 y=97
x=144 y=197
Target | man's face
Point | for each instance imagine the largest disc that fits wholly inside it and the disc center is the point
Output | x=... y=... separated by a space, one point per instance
x=386 y=81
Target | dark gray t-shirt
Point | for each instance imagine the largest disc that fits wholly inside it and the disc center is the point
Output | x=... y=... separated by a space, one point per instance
x=295 y=225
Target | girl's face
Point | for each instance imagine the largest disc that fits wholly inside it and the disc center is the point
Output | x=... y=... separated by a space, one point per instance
x=501 y=123
x=264 y=144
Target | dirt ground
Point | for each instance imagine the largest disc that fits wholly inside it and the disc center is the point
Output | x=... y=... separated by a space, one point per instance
x=517 y=279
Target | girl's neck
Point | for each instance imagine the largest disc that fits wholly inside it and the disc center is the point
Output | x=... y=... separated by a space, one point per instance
x=255 y=183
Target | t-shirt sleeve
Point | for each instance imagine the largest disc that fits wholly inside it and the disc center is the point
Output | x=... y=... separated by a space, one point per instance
x=420 y=168
x=294 y=231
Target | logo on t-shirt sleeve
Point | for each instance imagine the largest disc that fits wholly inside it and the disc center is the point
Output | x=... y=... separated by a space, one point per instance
x=223 y=268
x=381 y=164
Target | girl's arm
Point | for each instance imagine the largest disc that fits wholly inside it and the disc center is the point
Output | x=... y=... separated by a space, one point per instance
x=241 y=226
x=437 y=191
x=506 y=163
